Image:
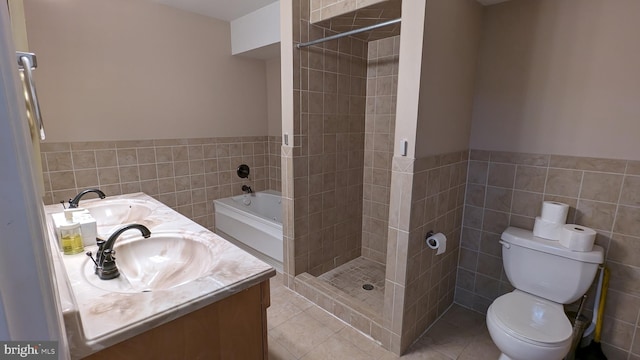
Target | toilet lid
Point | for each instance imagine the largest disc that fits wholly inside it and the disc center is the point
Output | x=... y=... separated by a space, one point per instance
x=531 y=318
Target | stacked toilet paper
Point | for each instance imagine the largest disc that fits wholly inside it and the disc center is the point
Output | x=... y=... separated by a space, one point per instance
x=551 y=225
x=577 y=238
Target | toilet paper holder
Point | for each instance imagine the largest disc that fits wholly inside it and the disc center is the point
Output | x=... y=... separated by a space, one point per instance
x=429 y=234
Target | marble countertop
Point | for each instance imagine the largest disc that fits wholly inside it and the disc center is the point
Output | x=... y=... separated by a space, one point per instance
x=96 y=318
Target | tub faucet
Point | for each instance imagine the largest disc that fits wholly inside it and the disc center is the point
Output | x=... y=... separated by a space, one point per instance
x=106 y=268
x=247 y=189
x=73 y=203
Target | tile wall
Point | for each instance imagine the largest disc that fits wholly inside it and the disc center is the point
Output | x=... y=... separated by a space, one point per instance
x=185 y=174
x=505 y=188
x=325 y=9
x=328 y=152
x=382 y=84
x=427 y=194
x=273 y=160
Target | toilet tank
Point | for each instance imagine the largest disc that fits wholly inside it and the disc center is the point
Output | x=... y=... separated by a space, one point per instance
x=547 y=269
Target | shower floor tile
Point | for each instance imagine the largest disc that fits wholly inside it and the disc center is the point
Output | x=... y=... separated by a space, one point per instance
x=351 y=277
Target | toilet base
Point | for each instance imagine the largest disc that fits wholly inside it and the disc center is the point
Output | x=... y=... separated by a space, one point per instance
x=519 y=349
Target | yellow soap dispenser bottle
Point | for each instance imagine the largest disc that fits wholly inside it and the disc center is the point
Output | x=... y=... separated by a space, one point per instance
x=71 y=236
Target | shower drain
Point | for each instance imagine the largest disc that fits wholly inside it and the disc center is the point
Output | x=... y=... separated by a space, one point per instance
x=367 y=287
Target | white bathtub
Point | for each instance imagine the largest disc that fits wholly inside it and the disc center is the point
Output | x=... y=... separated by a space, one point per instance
x=253 y=222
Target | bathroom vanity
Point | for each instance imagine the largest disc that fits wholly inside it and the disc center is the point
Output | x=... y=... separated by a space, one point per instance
x=183 y=293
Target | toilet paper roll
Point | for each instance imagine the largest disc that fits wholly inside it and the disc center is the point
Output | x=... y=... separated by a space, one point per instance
x=555 y=212
x=546 y=229
x=577 y=237
x=437 y=242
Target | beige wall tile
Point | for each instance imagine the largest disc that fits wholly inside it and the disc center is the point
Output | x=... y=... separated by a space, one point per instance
x=106 y=158
x=526 y=203
x=502 y=175
x=624 y=278
x=475 y=195
x=55 y=147
x=601 y=186
x=520 y=158
x=530 y=178
x=495 y=221
x=146 y=155
x=59 y=161
x=630 y=191
x=595 y=214
x=622 y=306
x=487 y=287
x=86 y=178
x=489 y=244
x=624 y=249
x=633 y=168
x=490 y=266
x=62 y=180
x=473 y=217
x=617 y=333
x=129 y=174
x=109 y=175
x=627 y=221
x=132 y=187
x=589 y=164
x=127 y=157
x=498 y=198
x=563 y=182
x=84 y=159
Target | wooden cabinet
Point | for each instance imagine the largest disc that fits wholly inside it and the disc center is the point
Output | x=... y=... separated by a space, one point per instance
x=232 y=328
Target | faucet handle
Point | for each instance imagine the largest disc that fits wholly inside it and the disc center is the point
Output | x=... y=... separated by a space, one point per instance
x=100 y=242
x=90 y=255
x=108 y=270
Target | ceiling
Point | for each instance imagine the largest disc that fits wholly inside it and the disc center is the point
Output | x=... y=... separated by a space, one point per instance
x=219 y=9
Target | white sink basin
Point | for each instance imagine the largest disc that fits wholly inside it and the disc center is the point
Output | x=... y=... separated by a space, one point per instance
x=109 y=213
x=163 y=261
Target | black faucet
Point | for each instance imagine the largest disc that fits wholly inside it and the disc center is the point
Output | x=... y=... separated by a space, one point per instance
x=247 y=189
x=106 y=268
x=73 y=203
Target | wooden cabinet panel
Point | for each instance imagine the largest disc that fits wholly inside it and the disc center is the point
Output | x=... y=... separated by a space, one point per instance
x=232 y=328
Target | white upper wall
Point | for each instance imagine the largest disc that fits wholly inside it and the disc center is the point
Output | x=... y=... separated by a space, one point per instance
x=559 y=77
x=129 y=70
x=257 y=30
x=449 y=59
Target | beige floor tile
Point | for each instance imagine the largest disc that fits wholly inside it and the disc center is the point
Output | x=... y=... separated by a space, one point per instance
x=328 y=320
x=448 y=339
x=278 y=352
x=423 y=352
x=298 y=329
x=482 y=348
x=336 y=347
x=281 y=311
x=364 y=343
x=300 y=334
x=464 y=318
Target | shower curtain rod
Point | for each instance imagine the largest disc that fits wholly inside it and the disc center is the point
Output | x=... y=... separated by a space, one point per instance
x=349 y=33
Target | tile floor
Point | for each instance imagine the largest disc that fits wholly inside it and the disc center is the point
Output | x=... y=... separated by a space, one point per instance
x=351 y=276
x=298 y=329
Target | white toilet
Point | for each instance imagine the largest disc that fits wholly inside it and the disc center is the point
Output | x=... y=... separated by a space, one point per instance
x=529 y=323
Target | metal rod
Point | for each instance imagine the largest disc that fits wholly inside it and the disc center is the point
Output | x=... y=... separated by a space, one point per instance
x=349 y=33
x=33 y=106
